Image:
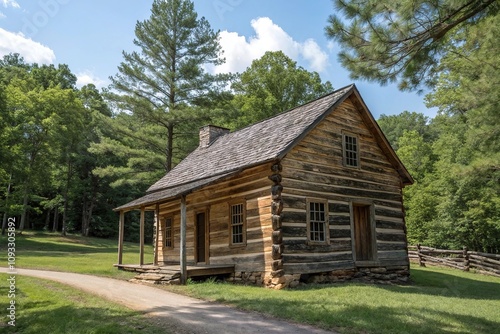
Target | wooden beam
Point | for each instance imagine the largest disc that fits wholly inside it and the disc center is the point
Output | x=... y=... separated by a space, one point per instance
x=141 y=241
x=157 y=217
x=183 y=240
x=120 y=236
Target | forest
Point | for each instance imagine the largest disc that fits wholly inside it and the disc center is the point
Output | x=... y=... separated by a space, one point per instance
x=69 y=155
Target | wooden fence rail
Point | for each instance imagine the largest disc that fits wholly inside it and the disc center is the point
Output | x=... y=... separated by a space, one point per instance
x=464 y=259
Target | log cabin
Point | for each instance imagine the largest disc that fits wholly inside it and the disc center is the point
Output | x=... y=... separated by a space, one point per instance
x=312 y=194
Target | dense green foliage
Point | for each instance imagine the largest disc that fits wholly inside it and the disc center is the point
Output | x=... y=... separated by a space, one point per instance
x=455 y=158
x=404 y=41
x=272 y=84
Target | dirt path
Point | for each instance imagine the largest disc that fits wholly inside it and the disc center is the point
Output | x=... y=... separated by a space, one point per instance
x=179 y=314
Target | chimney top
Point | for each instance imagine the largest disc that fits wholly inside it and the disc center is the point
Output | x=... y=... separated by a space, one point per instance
x=209 y=133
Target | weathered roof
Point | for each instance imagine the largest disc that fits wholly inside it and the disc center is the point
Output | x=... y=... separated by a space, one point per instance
x=256 y=144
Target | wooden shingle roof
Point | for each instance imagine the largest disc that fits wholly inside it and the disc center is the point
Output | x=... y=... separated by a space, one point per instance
x=256 y=144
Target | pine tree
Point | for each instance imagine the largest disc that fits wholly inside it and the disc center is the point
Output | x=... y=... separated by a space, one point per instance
x=160 y=84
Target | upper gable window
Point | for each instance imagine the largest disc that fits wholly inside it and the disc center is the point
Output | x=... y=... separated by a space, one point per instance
x=350 y=150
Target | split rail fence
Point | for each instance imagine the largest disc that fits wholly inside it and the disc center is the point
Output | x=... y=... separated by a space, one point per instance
x=464 y=259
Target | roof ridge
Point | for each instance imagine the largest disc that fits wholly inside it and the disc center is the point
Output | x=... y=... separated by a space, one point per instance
x=292 y=109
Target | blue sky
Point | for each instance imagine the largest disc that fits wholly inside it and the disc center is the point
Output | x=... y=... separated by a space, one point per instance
x=90 y=35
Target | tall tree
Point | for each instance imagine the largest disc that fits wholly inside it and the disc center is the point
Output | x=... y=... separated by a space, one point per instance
x=160 y=83
x=387 y=41
x=272 y=84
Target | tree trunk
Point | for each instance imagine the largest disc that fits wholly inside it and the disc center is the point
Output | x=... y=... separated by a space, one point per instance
x=47 y=220
x=25 y=211
x=66 y=190
x=170 y=146
x=55 y=226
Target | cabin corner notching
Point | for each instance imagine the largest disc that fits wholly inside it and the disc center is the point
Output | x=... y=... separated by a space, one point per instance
x=313 y=194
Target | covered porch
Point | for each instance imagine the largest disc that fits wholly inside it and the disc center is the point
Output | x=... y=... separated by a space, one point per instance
x=171 y=273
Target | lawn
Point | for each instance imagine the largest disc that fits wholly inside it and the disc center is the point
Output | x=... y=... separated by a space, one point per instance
x=48 y=307
x=73 y=253
x=439 y=300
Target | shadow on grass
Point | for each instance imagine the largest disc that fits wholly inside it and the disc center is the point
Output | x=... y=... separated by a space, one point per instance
x=434 y=283
x=53 y=246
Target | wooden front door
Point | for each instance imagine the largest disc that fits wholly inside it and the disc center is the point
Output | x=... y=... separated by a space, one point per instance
x=363 y=233
x=201 y=237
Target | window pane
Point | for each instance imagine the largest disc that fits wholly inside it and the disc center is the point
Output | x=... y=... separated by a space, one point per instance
x=317 y=221
x=237 y=224
x=351 y=151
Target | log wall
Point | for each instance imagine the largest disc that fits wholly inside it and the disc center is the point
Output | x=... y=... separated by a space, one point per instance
x=251 y=187
x=313 y=169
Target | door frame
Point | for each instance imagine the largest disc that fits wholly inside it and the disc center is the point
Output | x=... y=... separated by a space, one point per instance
x=205 y=211
x=373 y=232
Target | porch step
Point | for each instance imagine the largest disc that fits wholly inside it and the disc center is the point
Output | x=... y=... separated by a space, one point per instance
x=158 y=277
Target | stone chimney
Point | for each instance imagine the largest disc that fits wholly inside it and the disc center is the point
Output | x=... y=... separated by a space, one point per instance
x=209 y=133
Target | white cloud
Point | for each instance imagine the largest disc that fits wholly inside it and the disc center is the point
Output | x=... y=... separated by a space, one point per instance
x=31 y=51
x=87 y=77
x=240 y=52
x=10 y=3
x=2 y=15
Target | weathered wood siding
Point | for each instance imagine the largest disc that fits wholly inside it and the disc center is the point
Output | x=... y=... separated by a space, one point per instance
x=251 y=187
x=314 y=169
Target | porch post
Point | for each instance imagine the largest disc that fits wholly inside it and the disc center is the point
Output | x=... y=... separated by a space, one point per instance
x=157 y=216
x=141 y=241
x=183 y=240
x=120 y=236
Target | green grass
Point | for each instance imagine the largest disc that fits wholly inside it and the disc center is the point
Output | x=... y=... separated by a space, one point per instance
x=48 y=307
x=73 y=253
x=439 y=301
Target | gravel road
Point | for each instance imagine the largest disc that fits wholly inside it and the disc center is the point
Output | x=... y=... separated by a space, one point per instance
x=179 y=314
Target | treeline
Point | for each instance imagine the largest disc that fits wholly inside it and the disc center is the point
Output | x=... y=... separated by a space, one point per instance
x=455 y=157
x=70 y=155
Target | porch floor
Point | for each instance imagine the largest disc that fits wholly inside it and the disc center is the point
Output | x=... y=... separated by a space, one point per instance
x=175 y=270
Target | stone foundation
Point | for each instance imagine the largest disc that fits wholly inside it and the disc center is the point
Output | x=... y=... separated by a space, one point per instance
x=373 y=275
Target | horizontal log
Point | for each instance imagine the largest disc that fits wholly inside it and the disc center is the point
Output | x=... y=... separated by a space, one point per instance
x=339 y=220
x=301 y=246
x=382 y=246
x=293 y=231
x=389 y=224
x=391 y=237
x=316 y=257
x=294 y=217
x=442 y=251
x=398 y=213
x=340 y=233
x=290 y=183
x=488 y=255
x=485 y=268
x=320 y=267
x=485 y=259
x=337 y=208
x=442 y=261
